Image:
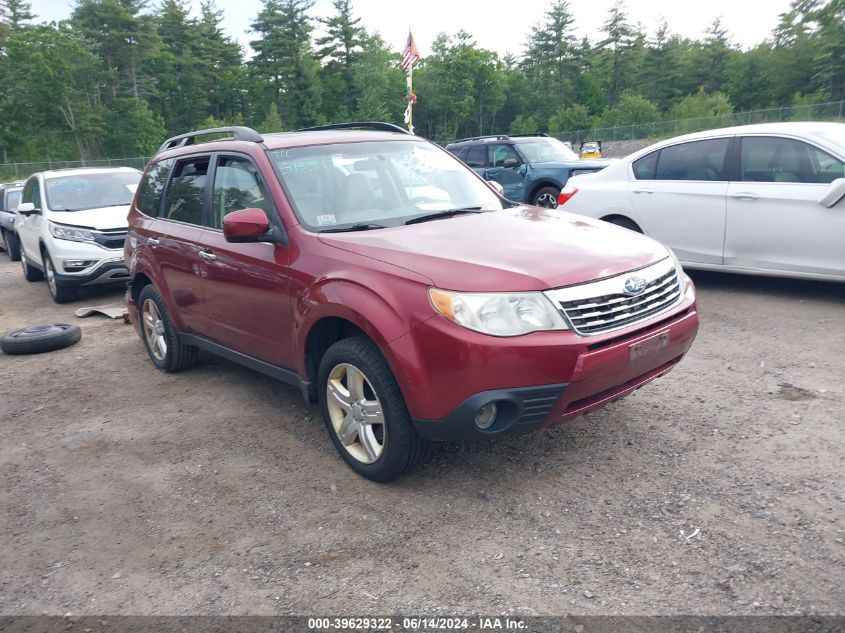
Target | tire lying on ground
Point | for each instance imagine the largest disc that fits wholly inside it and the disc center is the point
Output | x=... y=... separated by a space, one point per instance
x=40 y=338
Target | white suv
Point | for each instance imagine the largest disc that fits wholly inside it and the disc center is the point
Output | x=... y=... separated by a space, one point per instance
x=71 y=224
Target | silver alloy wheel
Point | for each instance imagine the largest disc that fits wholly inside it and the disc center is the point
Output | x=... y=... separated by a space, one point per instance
x=50 y=274
x=356 y=413
x=154 y=329
x=547 y=200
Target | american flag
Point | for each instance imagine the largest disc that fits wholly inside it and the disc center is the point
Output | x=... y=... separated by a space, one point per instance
x=410 y=55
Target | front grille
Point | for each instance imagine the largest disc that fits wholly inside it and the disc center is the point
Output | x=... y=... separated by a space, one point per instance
x=592 y=313
x=110 y=239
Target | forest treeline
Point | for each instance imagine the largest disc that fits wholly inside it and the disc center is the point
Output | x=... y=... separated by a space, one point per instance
x=118 y=76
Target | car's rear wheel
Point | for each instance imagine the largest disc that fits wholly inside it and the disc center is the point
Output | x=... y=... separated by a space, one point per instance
x=13 y=246
x=625 y=223
x=546 y=197
x=61 y=292
x=30 y=273
x=365 y=413
x=159 y=334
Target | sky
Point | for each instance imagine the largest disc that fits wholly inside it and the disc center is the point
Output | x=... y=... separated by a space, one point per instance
x=503 y=26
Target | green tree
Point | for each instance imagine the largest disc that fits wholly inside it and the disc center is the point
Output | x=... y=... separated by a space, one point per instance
x=549 y=62
x=15 y=13
x=125 y=41
x=132 y=129
x=572 y=117
x=340 y=49
x=631 y=109
x=285 y=62
x=379 y=82
x=620 y=37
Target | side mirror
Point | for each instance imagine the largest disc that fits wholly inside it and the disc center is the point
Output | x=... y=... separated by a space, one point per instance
x=496 y=186
x=834 y=193
x=510 y=162
x=27 y=208
x=247 y=225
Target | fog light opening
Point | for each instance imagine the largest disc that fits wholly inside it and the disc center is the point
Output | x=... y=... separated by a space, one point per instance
x=485 y=416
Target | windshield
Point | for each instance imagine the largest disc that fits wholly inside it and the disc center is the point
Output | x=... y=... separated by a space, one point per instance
x=91 y=191
x=13 y=199
x=381 y=183
x=546 y=150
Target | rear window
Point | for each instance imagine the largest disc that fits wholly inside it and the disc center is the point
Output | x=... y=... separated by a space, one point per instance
x=476 y=156
x=644 y=167
x=696 y=160
x=152 y=186
x=13 y=199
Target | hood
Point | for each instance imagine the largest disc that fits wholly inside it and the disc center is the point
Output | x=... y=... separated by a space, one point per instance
x=101 y=219
x=519 y=249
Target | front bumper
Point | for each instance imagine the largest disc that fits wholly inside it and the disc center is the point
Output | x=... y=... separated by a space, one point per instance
x=102 y=273
x=542 y=379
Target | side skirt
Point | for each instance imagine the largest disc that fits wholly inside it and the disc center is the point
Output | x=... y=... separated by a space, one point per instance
x=262 y=367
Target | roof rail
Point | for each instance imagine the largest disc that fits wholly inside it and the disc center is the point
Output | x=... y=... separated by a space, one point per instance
x=238 y=132
x=498 y=137
x=535 y=134
x=357 y=125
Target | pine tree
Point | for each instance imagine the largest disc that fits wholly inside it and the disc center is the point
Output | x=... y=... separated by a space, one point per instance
x=15 y=13
x=340 y=49
x=617 y=43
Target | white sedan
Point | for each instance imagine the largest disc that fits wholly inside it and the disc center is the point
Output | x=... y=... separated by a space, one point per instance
x=763 y=199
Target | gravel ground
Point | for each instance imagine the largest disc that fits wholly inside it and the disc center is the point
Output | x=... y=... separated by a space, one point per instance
x=715 y=490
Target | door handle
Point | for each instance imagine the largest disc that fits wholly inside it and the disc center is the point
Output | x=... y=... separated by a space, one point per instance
x=643 y=190
x=745 y=195
x=152 y=241
x=208 y=256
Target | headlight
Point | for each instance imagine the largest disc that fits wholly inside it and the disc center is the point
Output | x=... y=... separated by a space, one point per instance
x=678 y=266
x=69 y=233
x=498 y=313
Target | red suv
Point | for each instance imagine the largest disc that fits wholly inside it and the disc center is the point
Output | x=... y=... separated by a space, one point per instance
x=395 y=287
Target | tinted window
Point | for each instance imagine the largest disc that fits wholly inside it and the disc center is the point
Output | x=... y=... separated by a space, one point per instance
x=152 y=186
x=772 y=159
x=645 y=166
x=32 y=193
x=187 y=187
x=500 y=153
x=477 y=156
x=237 y=185
x=462 y=153
x=698 y=160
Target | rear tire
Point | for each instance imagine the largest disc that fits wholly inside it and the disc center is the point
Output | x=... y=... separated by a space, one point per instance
x=60 y=292
x=371 y=408
x=625 y=223
x=546 y=197
x=13 y=246
x=159 y=334
x=30 y=273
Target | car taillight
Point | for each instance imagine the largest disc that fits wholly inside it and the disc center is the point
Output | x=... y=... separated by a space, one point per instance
x=565 y=194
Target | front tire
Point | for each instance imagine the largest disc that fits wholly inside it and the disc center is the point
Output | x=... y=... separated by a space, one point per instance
x=625 y=223
x=546 y=197
x=365 y=413
x=59 y=291
x=159 y=334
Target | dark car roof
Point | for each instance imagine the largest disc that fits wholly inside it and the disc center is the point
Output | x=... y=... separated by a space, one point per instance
x=502 y=138
x=285 y=140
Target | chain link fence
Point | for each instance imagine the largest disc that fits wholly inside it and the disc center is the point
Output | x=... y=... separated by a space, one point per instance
x=21 y=171
x=833 y=111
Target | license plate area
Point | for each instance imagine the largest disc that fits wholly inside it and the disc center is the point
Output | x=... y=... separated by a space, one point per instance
x=649 y=346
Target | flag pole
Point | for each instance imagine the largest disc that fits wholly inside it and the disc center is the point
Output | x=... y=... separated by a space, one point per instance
x=411 y=98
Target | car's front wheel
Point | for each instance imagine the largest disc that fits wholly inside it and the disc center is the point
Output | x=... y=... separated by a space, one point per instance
x=30 y=273
x=59 y=291
x=13 y=246
x=546 y=197
x=365 y=413
x=159 y=334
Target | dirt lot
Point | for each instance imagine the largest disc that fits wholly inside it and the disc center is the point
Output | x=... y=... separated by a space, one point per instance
x=715 y=490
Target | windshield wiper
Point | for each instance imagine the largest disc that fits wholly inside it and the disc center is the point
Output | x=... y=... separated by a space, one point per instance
x=355 y=227
x=443 y=214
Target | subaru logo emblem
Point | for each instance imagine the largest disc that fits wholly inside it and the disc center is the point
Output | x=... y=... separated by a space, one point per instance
x=634 y=285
